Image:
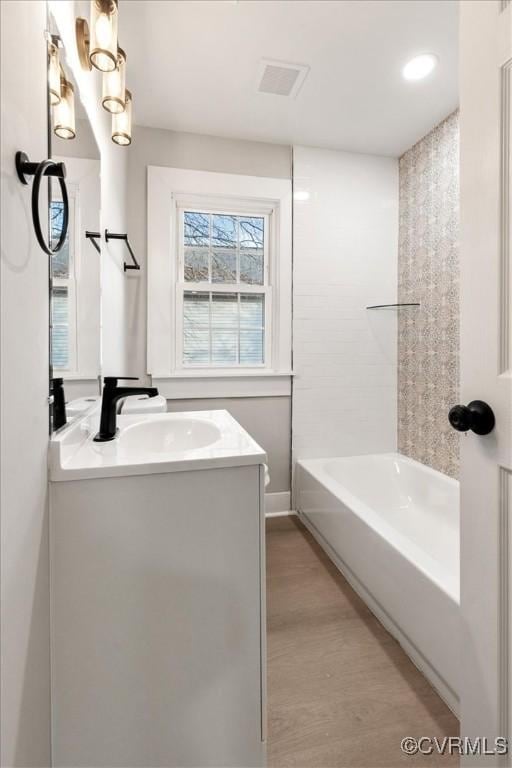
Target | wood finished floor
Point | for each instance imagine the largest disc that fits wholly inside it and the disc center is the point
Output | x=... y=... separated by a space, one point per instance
x=341 y=692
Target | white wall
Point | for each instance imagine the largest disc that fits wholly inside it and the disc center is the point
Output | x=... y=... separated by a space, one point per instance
x=25 y=659
x=83 y=145
x=152 y=146
x=345 y=258
x=25 y=671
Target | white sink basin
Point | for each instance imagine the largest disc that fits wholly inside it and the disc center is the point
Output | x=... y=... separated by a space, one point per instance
x=165 y=436
x=152 y=443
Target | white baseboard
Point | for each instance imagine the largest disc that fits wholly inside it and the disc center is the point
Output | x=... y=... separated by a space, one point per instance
x=277 y=504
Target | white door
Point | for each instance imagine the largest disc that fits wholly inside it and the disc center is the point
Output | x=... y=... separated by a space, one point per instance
x=486 y=367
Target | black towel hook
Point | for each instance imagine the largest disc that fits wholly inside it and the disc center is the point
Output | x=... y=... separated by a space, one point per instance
x=25 y=168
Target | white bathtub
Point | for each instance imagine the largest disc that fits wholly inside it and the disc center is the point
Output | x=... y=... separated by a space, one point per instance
x=391 y=525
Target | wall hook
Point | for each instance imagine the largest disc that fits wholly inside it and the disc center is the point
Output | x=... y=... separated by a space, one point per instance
x=114 y=236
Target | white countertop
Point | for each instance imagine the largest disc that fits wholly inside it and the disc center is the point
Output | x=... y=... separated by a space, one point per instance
x=73 y=454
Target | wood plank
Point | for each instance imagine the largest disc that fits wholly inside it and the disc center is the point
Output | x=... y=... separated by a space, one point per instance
x=341 y=691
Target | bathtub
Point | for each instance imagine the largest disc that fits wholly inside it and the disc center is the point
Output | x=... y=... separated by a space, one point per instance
x=391 y=525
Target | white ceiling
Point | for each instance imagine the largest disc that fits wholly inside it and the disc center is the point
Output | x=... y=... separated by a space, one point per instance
x=193 y=66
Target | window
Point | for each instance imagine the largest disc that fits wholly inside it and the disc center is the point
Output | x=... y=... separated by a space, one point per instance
x=63 y=291
x=223 y=292
x=219 y=283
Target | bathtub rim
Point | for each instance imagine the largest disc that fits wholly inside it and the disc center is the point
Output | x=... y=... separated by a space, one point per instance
x=432 y=569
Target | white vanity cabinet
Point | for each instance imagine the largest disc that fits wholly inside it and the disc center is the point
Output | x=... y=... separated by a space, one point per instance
x=158 y=616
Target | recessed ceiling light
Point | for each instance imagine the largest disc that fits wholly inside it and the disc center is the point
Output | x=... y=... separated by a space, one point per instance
x=419 y=67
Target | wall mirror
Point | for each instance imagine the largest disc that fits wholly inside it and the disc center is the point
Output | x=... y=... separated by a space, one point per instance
x=75 y=269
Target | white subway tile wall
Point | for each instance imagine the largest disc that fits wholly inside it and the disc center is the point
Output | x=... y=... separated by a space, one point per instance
x=345 y=258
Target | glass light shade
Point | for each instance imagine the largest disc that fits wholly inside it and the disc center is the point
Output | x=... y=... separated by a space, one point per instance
x=103 y=35
x=114 y=95
x=64 y=112
x=54 y=74
x=122 y=124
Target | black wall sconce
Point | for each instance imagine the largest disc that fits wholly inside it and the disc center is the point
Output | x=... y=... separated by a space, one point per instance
x=115 y=236
x=25 y=168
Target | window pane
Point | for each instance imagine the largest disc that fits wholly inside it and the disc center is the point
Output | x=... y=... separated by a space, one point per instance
x=252 y=310
x=252 y=347
x=224 y=346
x=224 y=248
x=223 y=265
x=60 y=328
x=196 y=264
x=60 y=346
x=251 y=249
x=60 y=305
x=251 y=267
x=196 y=228
x=252 y=333
x=196 y=324
x=196 y=239
x=225 y=310
x=60 y=260
x=224 y=328
x=224 y=231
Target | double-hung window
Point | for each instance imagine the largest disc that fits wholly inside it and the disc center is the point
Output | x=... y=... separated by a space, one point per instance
x=223 y=291
x=219 y=283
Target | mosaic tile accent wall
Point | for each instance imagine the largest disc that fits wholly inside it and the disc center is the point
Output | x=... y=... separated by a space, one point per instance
x=428 y=272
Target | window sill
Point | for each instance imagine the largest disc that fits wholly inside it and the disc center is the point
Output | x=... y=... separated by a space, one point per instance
x=203 y=384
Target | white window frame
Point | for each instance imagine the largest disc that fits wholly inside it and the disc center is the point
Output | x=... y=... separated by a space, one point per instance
x=171 y=191
x=210 y=205
x=70 y=282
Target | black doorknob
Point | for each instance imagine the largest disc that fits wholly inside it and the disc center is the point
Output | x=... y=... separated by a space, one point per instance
x=477 y=416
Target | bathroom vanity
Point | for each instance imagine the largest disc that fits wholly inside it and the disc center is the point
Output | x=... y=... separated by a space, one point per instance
x=157 y=593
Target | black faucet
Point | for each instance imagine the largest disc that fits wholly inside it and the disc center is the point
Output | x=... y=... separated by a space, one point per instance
x=59 y=403
x=111 y=394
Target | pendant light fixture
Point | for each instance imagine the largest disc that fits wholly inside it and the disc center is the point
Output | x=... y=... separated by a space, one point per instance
x=54 y=73
x=122 y=123
x=64 y=112
x=114 y=95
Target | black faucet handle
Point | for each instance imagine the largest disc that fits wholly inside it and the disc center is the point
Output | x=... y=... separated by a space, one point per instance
x=114 y=379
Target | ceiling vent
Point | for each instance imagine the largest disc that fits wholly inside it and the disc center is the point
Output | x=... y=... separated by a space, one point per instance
x=281 y=78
